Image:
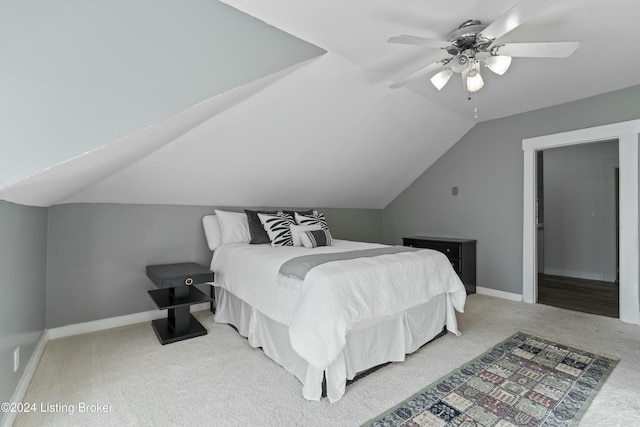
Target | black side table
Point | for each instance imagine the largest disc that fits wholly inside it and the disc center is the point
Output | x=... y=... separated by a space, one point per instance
x=176 y=294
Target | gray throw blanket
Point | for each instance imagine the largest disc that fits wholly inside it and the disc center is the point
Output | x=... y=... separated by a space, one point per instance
x=298 y=267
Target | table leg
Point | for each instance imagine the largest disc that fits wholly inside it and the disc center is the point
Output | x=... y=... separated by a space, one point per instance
x=179 y=319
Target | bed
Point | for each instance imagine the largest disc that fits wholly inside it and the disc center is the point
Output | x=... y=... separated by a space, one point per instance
x=372 y=305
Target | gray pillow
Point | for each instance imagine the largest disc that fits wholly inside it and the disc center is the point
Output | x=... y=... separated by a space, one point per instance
x=258 y=234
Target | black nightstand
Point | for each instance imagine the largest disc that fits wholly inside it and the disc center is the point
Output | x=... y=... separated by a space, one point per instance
x=461 y=253
x=176 y=294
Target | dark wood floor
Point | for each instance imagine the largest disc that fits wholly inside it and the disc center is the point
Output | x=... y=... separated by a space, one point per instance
x=588 y=296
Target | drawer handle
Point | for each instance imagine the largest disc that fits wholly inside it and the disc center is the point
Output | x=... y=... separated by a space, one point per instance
x=188 y=281
x=453 y=265
x=448 y=250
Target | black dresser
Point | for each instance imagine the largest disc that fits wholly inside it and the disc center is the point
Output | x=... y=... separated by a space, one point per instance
x=461 y=253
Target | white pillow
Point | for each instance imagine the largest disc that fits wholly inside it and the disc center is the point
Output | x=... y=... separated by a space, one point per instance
x=297 y=230
x=278 y=228
x=212 y=231
x=316 y=219
x=234 y=227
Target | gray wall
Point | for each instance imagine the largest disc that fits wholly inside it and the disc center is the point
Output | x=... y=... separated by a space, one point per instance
x=487 y=165
x=97 y=253
x=23 y=234
x=579 y=210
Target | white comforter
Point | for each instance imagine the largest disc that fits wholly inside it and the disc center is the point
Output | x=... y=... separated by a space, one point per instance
x=336 y=295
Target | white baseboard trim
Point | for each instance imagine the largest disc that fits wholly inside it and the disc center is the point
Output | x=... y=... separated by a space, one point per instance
x=7 y=419
x=30 y=368
x=573 y=273
x=114 y=322
x=498 y=294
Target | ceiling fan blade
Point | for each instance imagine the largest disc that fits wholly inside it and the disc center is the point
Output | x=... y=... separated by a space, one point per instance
x=419 y=41
x=416 y=75
x=514 y=17
x=538 y=50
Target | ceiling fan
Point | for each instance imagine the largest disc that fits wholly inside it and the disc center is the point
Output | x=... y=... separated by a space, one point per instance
x=475 y=44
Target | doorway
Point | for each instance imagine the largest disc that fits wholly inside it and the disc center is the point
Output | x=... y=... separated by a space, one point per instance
x=628 y=134
x=577 y=239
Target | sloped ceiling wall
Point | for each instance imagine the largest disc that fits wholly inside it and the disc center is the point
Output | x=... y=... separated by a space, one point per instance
x=320 y=136
x=160 y=102
x=75 y=76
x=54 y=185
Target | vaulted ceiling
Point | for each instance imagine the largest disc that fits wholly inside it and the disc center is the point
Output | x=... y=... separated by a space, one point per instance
x=269 y=103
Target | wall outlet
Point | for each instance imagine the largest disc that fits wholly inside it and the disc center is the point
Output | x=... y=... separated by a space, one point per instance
x=16 y=359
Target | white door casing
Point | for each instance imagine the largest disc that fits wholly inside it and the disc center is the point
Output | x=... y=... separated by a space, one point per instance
x=627 y=134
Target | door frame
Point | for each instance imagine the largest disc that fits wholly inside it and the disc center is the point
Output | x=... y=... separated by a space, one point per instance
x=628 y=135
x=609 y=212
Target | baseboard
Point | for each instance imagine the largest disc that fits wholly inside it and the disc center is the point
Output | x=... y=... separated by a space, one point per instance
x=30 y=368
x=573 y=273
x=9 y=418
x=114 y=322
x=498 y=294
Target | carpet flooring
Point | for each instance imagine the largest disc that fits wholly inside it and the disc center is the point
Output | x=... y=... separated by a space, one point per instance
x=526 y=380
x=219 y=380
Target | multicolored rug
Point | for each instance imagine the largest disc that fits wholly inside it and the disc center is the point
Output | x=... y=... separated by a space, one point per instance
x=523 y=381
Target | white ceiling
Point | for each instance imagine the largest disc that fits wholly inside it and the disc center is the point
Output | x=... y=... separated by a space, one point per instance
x=329 y=132
x=358 y=30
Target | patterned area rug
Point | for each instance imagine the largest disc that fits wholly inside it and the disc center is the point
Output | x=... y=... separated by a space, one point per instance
x=523 y=381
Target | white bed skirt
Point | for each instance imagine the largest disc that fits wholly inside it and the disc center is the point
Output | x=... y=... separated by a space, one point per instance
x=369 y=343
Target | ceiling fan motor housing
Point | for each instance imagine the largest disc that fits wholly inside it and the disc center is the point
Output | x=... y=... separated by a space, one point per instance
x=466 y=37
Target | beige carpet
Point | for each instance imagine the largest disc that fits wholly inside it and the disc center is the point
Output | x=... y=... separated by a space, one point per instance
x=219 y=379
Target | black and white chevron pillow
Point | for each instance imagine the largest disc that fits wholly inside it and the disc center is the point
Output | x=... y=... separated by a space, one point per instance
x=315 y=238
x=278 y=228
x=316 y=219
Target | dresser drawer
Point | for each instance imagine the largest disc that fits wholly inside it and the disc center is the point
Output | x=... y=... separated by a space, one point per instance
x=174 y=275
x=461 y=254
x=451 y=251
x=455 y=263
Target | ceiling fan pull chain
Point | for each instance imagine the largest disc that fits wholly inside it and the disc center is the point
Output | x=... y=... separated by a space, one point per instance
x=475 y=109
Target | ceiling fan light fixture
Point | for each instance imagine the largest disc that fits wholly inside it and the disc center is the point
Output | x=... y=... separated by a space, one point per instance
x=474 y=83
x=499 y=64
x=473 y=80
x=441 y=78
x=460 y=63
x=474 y=44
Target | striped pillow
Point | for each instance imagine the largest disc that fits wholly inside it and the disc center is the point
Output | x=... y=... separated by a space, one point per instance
x=315 y=238
x=316 y=219
x=297 y=230
x=278 y=228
